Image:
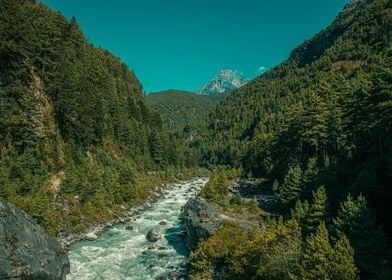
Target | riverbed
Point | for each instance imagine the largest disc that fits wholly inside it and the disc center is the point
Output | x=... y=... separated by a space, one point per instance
x=123 y=252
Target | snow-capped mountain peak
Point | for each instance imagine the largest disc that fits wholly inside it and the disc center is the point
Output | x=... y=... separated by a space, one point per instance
x=224 y=82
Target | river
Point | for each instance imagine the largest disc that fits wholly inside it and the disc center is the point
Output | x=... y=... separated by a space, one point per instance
x=120 y=253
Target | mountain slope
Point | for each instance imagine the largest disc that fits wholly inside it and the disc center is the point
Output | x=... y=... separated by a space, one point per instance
x=224 y=82
x=75 y=134
x=179 y=108
x=321 y=118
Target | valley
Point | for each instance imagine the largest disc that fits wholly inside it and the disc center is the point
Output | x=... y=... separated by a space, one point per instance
x=285 y=176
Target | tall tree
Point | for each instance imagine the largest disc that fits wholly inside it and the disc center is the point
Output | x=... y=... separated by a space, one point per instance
x=317 y=212
x=291 y=188
x=356 y=221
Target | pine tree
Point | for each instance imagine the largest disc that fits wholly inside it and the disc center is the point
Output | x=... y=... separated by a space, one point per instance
x=317 y=253
x=356 y=221
x=317 y=212
x=343 y=265
x=300 y=213
x=291 y=188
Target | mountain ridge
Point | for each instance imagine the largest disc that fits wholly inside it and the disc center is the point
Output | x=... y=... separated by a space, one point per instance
x=224 y=82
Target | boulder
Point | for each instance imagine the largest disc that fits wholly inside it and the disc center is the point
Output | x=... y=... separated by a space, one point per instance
x=26 y=251
x=91 y=236
x=163 y=223
x=152 y=236
x=201 y=221
x=129 y=228
x=108 y=225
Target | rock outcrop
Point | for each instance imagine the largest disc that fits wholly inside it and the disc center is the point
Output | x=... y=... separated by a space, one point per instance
x=26 y=251
x=201 y=221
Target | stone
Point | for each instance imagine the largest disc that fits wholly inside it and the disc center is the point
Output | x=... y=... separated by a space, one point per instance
x=108 y=225
x=26 y=251
x=129 y=227
x=91 y=236
x=201 y=221
x=152 y=247
x=152 y=236
x=163 y=223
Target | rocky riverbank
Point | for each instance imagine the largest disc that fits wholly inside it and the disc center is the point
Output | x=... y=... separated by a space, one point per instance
x=92 y=232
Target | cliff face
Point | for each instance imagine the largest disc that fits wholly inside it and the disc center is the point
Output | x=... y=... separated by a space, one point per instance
x=26 y=251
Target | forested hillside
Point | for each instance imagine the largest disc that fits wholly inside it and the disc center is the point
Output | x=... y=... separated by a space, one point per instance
x=317 y=128
x=179 y=109
x=75 y=134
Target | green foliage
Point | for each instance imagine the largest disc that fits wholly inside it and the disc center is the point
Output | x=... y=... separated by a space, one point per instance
x=273 y=251
x=216 y=188
x=323 y=261
x=234 y=253
x=356 y=221
x=291 y=188
x=317 y=255
x=179 y=109
x=317 y=212
x=300 y=212
x=76 y=137
x=343 y=265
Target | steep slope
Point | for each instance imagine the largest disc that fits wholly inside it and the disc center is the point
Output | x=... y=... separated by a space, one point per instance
x=75 y=134
x=321 y=118
x=223 y=83
x=179 y=109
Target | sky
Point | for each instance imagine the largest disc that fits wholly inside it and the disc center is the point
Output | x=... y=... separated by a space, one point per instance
x=182 y=44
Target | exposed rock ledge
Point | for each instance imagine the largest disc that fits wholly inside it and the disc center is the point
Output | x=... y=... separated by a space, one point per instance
x=201 y=221
x=26 y=251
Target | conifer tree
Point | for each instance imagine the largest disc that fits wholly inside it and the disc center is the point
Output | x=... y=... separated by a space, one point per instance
x=300 y=213
x=356 y=221
x=343 y=265
x=317 y=212
x=291 y=188
x=323 y=261
x=317 y=253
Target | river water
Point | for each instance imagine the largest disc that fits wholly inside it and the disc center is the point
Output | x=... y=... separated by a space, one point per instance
x=124 y=254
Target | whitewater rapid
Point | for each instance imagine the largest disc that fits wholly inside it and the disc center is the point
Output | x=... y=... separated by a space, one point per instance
x=120 y=253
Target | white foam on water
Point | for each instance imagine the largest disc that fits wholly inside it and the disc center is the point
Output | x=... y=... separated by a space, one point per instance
x=123 y=254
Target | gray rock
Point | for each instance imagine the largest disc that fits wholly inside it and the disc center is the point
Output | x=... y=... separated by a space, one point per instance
x=26 y=251
x=129 y=228
x=163 y=223
x=152 y=236
x=108 y=225
x=201 y=221
x=91 y=236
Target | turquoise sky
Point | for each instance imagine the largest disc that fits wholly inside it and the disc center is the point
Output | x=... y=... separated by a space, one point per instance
x=181 y=44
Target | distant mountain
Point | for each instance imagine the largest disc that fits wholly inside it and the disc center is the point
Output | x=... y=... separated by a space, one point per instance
x=180 y=108
x=224 y=82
